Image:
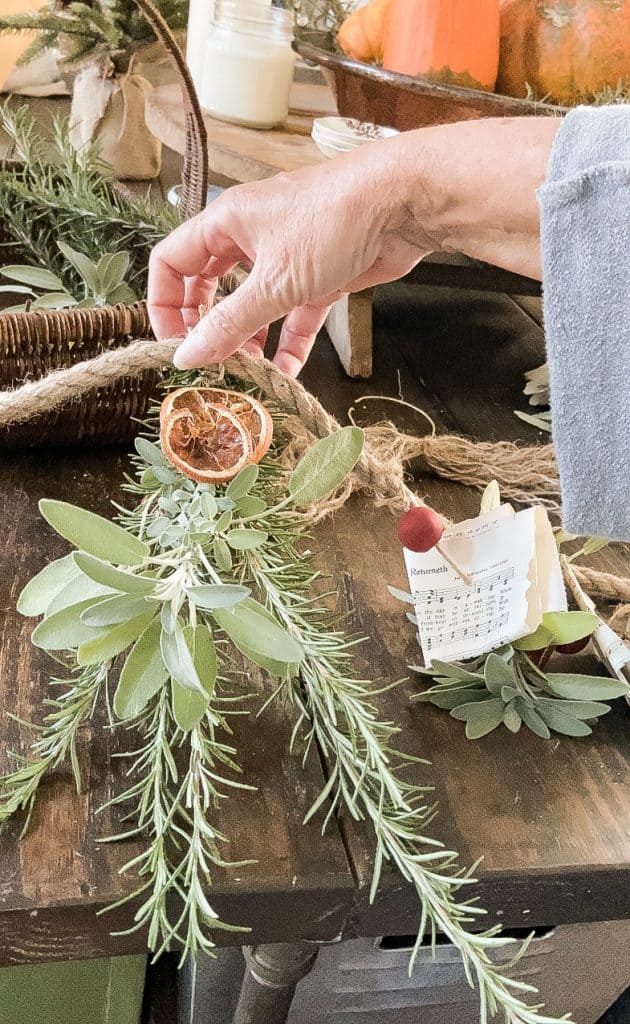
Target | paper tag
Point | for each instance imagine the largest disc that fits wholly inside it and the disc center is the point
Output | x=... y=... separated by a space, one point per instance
x=512 y=561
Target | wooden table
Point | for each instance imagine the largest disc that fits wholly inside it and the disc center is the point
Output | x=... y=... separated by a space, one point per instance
x=552 y=818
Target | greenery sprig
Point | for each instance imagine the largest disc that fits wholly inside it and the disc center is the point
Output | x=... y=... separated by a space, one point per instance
x=83 y=29
x=191 y=579
x=52 y=191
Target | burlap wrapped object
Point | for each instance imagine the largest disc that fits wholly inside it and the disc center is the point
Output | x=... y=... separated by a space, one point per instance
x=109 y=106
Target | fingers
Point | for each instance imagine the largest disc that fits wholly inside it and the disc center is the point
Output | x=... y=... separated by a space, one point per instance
x=200 y=250
x=297 y=337
x=241 y=316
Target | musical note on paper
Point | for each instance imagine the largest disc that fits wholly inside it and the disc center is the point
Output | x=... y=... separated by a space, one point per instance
x=512 y=561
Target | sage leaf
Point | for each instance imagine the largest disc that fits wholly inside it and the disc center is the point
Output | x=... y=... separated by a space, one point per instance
x=250 y=505
x=189 y=706
x=454 y=697
x=491 y=498
x=246 y=540
x=325 y=466
x=114 y=610
x=116 y=579
x=224 y=521
x=454 y=671
x=178 y=660
x=143 y=674
x=222 y=554
x=217 y=595
x=208 y=505
x=111 y=269
x=83 y=265
x=511 y=718
x=35 y=276
x=79 y=589
x=151 y=452
x=64 y=631
x=165 y=475
x=249 y=628
x=54 y=300
x=243 y=483
x=594 y=544
x=121 y=294
x=565 y=724
x=481 y=718
x=92 y=533
x=584 y=709
x=278 y=669
x=497 y=674
x=401 y=595
x=567 y=627
x=580 y=687
x=114 y=640
x=40 y=591
x=532 y=719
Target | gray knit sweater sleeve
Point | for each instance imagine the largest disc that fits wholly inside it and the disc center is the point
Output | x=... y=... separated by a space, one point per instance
x=585 y=238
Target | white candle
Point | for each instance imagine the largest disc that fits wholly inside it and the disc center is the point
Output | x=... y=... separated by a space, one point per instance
x=200 y=15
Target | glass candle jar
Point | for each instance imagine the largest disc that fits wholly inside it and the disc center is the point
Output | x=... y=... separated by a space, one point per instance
x=248 y=63
x=200 y=15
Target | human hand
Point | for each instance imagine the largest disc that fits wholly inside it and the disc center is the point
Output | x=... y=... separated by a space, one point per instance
x=308 y=237
x=344 y=225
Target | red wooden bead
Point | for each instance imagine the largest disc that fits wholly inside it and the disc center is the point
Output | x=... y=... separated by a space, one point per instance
x=420 y=528
x=575 y=647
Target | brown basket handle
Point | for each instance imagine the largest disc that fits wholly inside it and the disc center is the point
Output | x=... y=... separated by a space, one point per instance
x=195 y=174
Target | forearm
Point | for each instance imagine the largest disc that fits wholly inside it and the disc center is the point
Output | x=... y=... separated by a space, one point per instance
x=471 y=188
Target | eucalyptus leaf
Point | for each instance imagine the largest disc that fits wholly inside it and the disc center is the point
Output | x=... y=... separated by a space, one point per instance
x=143 y=674
x=35 y=276
x=243 y=483
x=246 y=540
x=278 y=669
x=325 y=466
x=114 y=640
x=217 y=595
x=581 y=687
x=114 y=610
x=150 y=452
x=43 y=588
x=178 y=660
x=92 y=533
x=189 y=706
x=222 y=554
x=109 y=576
x=64 y=631
x=249 y=628
x=497 y=674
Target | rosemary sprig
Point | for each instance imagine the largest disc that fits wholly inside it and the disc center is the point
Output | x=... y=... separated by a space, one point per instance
x=56 y=740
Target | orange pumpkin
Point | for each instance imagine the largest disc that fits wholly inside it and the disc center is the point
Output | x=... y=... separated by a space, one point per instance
x=361 y=34
x=565 y=50
x=452 y=41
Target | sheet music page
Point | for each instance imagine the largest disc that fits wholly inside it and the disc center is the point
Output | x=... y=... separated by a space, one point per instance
x=458 y=621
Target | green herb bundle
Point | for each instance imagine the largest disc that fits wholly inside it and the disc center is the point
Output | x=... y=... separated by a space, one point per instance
x=193 y=578
x=59 y=193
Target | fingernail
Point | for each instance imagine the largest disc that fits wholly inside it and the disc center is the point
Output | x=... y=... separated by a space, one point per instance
x=191 y=353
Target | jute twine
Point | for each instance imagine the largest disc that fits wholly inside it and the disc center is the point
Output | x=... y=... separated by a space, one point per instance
x=523 y=473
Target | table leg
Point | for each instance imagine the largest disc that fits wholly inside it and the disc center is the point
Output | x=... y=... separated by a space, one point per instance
x=349 y=325
x=271 y=976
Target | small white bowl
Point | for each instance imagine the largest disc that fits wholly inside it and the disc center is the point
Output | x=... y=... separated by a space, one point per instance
x=336 y=135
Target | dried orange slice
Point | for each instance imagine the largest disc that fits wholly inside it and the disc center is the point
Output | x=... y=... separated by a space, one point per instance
x=250 y=413
x=207 y=444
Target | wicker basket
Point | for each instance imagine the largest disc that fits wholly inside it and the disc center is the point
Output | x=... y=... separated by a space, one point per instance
x=32 y=344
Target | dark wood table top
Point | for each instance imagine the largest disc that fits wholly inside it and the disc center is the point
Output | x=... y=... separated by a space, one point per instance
x=552 y=818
